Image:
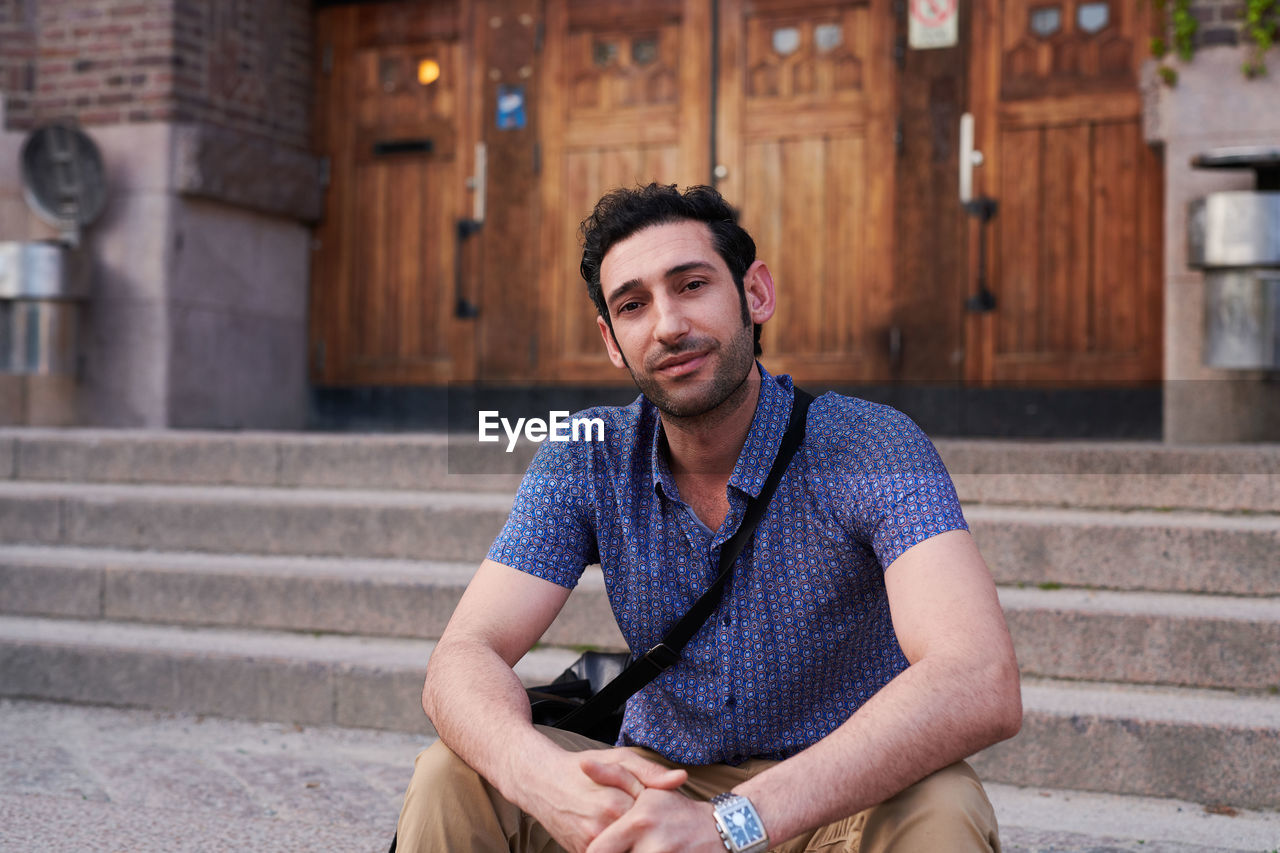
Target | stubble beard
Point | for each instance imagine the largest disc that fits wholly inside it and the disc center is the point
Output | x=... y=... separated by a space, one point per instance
x=727 y=384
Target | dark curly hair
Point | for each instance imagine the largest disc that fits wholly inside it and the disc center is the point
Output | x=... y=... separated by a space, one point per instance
x=625 y=211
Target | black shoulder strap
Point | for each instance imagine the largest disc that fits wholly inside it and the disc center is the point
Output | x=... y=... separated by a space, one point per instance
x=659 y=658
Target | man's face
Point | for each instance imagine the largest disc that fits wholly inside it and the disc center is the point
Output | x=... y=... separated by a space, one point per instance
x=678 y=318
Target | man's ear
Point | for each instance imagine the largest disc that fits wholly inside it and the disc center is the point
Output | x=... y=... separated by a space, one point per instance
x=610 y=344
x=757 y=286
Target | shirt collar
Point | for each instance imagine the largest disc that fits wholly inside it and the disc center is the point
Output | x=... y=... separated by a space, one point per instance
x=773 y=410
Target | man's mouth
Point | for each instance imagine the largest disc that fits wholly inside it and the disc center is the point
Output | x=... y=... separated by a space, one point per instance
x=682 y=364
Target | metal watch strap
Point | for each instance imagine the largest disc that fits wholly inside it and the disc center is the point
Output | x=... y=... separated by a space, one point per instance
x=728 y=798
x=724 y=836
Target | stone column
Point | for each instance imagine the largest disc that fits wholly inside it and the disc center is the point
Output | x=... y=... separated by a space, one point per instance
x=1212 y=105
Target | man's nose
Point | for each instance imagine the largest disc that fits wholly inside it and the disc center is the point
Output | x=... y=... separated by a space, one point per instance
x=672 y=323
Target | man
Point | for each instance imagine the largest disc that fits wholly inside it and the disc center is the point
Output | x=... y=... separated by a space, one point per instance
x=858 y=655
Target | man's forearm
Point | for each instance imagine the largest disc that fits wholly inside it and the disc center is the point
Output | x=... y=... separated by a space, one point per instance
x=481 y=711
x=933 y=714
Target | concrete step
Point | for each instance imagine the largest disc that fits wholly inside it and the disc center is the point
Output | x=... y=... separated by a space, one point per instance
x=1174 y=639
x=1205 y=746
x=1161 y=551
x=259 y=675
x=1117 y=475
x=1146 y=638
x=1046 y=820
x=415 y=462
x=1124 y=475
x=237 y=519
x=1176 y=551
x=394 y=598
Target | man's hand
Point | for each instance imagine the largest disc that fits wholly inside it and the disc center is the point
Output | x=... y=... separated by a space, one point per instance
x=662 y=821
x=591 y=790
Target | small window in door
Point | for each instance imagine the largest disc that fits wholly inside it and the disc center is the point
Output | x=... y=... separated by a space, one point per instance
x=786 y=40
x=603 y=53
x=1093 y=17
x=1046 y=20
x=644 y=50
x=827 y=37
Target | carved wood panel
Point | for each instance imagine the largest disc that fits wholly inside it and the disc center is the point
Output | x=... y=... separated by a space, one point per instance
x=393 y=119
x=1074 y=249
x=627 y=102
x=1067 y=47
x=805 y=129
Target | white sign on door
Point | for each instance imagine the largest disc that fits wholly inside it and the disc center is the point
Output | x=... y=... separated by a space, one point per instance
x=933 y=23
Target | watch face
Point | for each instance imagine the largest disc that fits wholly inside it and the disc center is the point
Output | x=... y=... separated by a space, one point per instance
x=743 y=826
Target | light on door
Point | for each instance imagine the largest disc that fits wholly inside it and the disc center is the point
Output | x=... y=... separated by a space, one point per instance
x=428 y=71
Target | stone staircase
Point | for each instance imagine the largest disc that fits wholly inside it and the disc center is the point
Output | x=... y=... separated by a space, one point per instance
x=302 y=578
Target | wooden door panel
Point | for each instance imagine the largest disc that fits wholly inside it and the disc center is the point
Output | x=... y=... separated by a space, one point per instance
x=1074 y=248
x=626 y=104
x=806 y=105
x=1123 y=216
x=820 y=307
x=384 y=276
x=590 y=173
x=1016 y=265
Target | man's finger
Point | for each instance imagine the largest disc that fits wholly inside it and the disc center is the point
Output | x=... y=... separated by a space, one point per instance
x=613 y=775
x=618 y=837
x=653 y=775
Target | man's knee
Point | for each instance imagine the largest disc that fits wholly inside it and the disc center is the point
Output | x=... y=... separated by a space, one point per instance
x=948 y=807
x=440 y=763
x=443 y=785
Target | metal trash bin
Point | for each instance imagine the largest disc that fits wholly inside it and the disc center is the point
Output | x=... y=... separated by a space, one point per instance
x=44 y=282
x=1235 y=238
x=41 y=287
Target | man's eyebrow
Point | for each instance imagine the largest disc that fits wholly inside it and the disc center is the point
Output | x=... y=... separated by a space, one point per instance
x=686 y=267
x=630 y=285
x=623 y=289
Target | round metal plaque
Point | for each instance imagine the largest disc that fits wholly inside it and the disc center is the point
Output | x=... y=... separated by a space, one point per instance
x=63 y=177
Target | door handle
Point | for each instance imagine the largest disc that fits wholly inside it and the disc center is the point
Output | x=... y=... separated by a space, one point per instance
x=464 y=308
x=969 y=157
x=982 y=208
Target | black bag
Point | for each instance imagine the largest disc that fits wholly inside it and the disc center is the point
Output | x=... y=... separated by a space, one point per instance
x=551 y=703
x=589 y=697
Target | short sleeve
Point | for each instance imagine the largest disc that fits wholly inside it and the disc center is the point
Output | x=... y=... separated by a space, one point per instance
x=550 y=532
x=915 y=498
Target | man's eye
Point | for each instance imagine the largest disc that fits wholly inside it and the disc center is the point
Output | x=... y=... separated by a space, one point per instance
x=628 y=306
x=694 y=285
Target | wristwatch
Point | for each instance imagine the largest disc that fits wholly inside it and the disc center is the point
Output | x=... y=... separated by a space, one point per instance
x=740 y=826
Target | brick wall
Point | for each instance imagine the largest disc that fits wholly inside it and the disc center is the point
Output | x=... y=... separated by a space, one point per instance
x=239 y=64
x=17 y=58
x=245 y=65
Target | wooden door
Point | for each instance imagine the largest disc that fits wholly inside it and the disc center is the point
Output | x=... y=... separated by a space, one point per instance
x=1074 y=249
x=626 y=101
x=805 y=135
x=399 y=144
x=802 y=117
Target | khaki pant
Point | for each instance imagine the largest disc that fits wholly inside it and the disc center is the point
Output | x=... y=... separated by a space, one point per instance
x=449 y=807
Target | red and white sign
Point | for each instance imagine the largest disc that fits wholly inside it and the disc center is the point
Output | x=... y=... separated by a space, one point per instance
x=933 y=23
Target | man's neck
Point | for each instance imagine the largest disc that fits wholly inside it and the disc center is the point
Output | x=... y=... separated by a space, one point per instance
x=708 y=446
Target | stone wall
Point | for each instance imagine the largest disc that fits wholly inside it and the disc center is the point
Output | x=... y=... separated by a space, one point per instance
x=1213 y=105
x=201 y=259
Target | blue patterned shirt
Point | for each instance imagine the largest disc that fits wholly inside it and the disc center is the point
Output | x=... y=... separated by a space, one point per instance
x=803 y=635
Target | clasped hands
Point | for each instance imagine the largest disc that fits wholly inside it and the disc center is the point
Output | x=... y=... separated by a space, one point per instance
x=614 y=801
